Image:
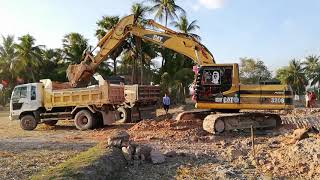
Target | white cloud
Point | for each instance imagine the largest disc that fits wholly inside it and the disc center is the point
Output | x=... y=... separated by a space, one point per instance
x=211 y=4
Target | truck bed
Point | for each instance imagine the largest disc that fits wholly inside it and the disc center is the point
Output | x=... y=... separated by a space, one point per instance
x=98 y=95
x=142 y=94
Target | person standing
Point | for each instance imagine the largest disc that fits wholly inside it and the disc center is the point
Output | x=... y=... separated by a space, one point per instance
x=166 y=102
x=313 y=99
x=307 y=97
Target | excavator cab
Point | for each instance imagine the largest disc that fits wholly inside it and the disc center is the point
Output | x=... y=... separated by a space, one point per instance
x=213 y=83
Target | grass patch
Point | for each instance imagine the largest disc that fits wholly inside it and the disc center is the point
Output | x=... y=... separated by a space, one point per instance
x=71 y=169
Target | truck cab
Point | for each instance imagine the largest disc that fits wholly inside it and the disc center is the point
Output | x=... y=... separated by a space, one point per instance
x=26 y=98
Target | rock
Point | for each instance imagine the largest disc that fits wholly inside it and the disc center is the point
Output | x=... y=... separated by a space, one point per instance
x=225 y=173
x=193 y=139
x=299 y=134
x=316 y=157
x=127 y=152
x=234 y=154
x=118 y=139
x=157 y=157
x=262 y=162
x=170 y=154
x=269 y=167
x=143 y=150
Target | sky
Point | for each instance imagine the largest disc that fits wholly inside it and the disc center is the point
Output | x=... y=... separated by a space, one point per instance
x=274 y=31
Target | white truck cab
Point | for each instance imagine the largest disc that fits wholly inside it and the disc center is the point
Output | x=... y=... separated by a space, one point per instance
x=25 y=98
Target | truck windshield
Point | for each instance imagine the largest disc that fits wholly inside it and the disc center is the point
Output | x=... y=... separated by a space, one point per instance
x=20 y=92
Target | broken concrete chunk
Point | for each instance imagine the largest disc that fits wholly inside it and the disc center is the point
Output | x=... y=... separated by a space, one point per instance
x=157 y=157
x=299 y=134
x=118 y=139
x=143 y=150
x=170 y=153
x=127 y=152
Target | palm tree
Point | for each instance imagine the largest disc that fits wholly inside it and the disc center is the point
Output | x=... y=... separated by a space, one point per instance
x=293 y=75
x=139 y=11
x=105 y=24
x=8 y=57
x=165 y=9
x=312 y=67
x=183 y=26
x=29 y=55
x=74 y=45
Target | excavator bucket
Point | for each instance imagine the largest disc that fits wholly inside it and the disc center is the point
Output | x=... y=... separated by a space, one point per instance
x=79 y=75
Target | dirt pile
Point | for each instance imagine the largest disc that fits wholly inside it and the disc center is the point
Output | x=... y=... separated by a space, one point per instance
x=167 y=130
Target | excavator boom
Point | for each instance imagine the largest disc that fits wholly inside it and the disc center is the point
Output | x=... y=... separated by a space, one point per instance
x=80 y=75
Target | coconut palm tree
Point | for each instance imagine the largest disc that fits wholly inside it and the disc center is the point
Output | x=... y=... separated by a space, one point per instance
x=166 y=9
x=293 y=75
x=105 y=24
x=139 y=10
x=312 y=69
x=29 y=55
x=184 y=26
x=8 y=57
x=74 y=45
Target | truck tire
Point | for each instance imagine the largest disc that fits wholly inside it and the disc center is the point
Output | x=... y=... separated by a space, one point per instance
x=123 y=112
x=84 y=120
x=28 y=122
x=50 y=123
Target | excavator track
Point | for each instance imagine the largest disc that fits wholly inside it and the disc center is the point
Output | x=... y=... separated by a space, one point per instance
x=218 y=123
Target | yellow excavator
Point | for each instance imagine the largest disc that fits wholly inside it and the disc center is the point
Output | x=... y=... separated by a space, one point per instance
x=218 y=93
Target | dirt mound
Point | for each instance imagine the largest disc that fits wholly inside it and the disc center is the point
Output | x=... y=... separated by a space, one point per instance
x=167 y=129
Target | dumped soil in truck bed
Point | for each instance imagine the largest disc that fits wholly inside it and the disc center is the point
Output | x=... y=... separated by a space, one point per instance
x=61 y=85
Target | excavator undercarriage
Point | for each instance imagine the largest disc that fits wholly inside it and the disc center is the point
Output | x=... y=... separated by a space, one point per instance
x=216 y=122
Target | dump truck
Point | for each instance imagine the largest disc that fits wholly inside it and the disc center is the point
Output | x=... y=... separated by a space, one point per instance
x=36 y=103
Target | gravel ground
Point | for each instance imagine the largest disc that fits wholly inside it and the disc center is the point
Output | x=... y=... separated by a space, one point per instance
x=24 y=153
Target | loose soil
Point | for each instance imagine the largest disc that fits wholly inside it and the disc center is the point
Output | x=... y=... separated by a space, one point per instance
x=200 y=155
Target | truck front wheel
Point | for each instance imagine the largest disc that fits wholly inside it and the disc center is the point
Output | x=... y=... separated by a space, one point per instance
x=28 y=122
x=84 y=120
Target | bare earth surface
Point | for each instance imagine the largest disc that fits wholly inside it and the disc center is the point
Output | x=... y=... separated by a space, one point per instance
x=199 y=155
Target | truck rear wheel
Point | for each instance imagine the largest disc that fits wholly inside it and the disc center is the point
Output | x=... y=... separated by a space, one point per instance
x=50 y=123
x=28 y=122
x=84 y=120
x=123 y=115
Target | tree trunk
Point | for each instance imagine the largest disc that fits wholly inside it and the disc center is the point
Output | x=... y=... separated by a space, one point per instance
x=139 y=55
x=114 y=67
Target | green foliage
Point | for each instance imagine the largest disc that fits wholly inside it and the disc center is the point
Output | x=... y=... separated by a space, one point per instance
x=312 y=69
x=184 y=26
x=252 y=70
x=74 y=46
x=105 y=24
x=293 y=75
x=167 y=9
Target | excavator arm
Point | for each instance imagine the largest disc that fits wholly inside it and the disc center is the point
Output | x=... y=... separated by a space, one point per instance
x=81 y=74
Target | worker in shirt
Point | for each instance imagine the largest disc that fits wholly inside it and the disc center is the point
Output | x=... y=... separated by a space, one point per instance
x=166 y=103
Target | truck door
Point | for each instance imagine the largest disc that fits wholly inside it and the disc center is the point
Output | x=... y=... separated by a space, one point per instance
x=19 y=97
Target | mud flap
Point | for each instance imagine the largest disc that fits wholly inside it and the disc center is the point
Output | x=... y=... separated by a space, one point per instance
x=109 y=117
